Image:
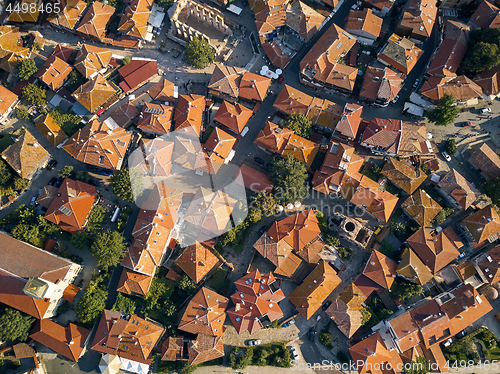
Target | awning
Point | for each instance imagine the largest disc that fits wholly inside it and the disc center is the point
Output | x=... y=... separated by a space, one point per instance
x=70 y=292
x=134 y=366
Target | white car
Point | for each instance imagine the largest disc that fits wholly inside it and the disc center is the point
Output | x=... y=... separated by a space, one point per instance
x=254 y=342
x=295 y=355
x=486 y=110
x=446 y=156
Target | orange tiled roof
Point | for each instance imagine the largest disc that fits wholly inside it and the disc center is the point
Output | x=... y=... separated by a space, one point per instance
x=72 y=205
x=205 y=348
x=302 y=149
x=154 y=157
x=54 y=72
x=133 y=283
x=455 y=185
x=364 y=23
x=490 y=265
x=234 y=117
x=9 y=99
x=400 y=53
x=303 y=19
x=436 y=250
x=205 y=314
x=254 y=180
x=384 y=134
x=419 y=16
x=196 y=261
x=67 y=341
x=312 y=292
x=414 y=140
x=133 y=339
x=189 y=114
x=100 y=145
x=124 y=114
x=275 y=55
x=483 y=223
x=220 y=142
x=95 y=21
x=63 y=51
x=95 y=93
x=164 y=91
x=18 y=15
x=273 y=138
x=226 y=79
x=421 y=207
x=380 y=269
x=254 y=300
x=345 y=311
x=134 y=21
x=253 y=86
x=413 y=269
x=486 y=15
x=70 y=14
x=349 y=122
x=403 y=175
x=489 y=80
x=46 y=196
x=380 y=84
x=11 y=48
x=461 y=88
x=486 y=161
x=26 y=155
x=91 y=60
x=156 y=118
x=373 y=354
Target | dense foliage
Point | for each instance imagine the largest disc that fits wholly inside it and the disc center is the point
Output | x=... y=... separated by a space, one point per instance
x=124 y=304
x=34 y=95
x=289 y=177
x=14 y=325
x=299 y=123
x=492 y=190
x=199 y=53
x=403 y=290
x=125 y=182
x=68 y=122
x=25 y=69
x=22 y=113
x=265 y=203
x=108 y=248
x=451 y=147
x=445 y=112
x=483 y=50
x=93 y=302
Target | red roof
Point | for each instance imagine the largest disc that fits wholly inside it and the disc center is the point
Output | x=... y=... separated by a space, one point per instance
x=137 y=72
x=255 y=180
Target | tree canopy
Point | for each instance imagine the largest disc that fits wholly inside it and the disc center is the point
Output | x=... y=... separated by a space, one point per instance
x=66 y=172
x=108 y=248
x=124 y=304
x=492 y=190
x=483 y=50
x=125 y=182
x=26 y=68
x=14 y=325
x=299 y=124
x=92 y=304
x=199 y=53
x=34 y=94
x=289 y=177
x=419 y=366
x=451 y=147
x=22 y=113
x=445 y=112
x=265 y=203
x=403 y=290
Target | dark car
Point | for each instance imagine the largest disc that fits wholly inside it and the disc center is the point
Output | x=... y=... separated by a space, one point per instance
x=261 y=230
x=52 y=163
x=106 y=172
x=461 y=334
x=176 y=53
x=289 y=323
x=52 y=181
x=326 y=305
x=280 y=79
x=259 y=161
x=59 y=182
x=466 y=123
x=312 y=333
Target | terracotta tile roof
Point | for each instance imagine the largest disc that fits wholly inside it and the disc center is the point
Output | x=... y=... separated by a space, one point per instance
x=270 y=18
x=373 y=354
x=133 y=339
x=403 y=175
x=95 y=93
x=400 y=53
x=273 y=138
x=455 y=185
x=63 y=51
x=54 y=72
x=205 y=314
x=192 y=156
x=255 y=180
x=136 y=73
x=226 y=79
x=9 y=99
x=23 y=350
x=154 y=157
x=91 y=60
x=221 y=144
x=95 y=21
x=483 y=223
x=380 y=84
x=414 y=140
x=380 y=269
x=406 y=331
x=302 y=149
x=384 y=134
x=275 y=55
x=197 y=261
x=22 y=16
x=70 y=291
x=100 y=145
x=205 y=348
x=11 y=48
x=413 y=269
x=133 y=283
x=313 y=291
x=451 y=50
x=489 y=80
x=134 y=21
x=321 y=112
x=421 y=207
x=26 y=155
x=436 y=250
x=189 y=114
x=345 y=311
x=164 y=91
x=253 y=86
x=486 y=161
x=256 y=302
x=461 y=88
x=349 y=122
x=419 y=16
x=234 y=117
x=46 y=196
x=486 y=15
x=364 y=23
x=72 y=205
x=490 y=265
x=156 y=118
x=124 y=114
x=70 y=14
x=380 y=4
x=172 y=349
x=303 y=19
x=67 y=341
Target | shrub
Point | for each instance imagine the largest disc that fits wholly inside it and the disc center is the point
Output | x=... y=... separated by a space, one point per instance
x=325 y=338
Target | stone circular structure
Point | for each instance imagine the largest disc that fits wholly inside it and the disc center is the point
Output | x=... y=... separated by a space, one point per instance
x=349 y=226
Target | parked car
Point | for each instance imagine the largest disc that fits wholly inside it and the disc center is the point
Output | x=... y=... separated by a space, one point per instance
x=58 y=183
x=326 y=305
x=486 y=110
x=52 y=181
x=262 y=230
x=51 y=164
x=461 y=255
x=254 y=342
x=295 y=355
x=259 y=161
x=176 y=53
x=106 y=172
x=467 y=123
x=446 y=156
x=280 y=79
x=40 y=191
x=312 y=333
x=417 y=81
x=289 y=323
x=461 y=334
x=32 y=202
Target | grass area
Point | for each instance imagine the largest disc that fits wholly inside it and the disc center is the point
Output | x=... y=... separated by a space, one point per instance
x=388 y=249
x=462 y=348
x=219 y=281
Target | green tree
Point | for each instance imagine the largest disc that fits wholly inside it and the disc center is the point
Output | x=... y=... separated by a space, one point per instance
x=186 y=284
x=22 y=113
x=419 y=366
x=254 y=215
x=5 y=173
x=36 y=47
x=492 y=190
x=125 y=182
x=289 y=177
x=124 y=304
x=34 y=94
x=108 y=249
x=199 y=53
x=482 y=56
x=325 y=338
x=399 y=229
x=451 y=147
x=93 y=302
x=25 y=69
x=403 y=290
x=14 y=325
x=165 y=4
x=81 y=239
x=20 y=183
x=445 y=112
x=366 y=315
x=126 y=60
x=66 y=172
x=96 y=218
x=265 y=202
x=299 y=123
x=82 y=176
